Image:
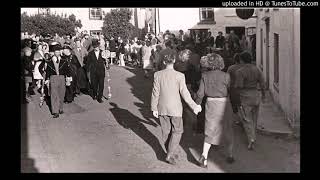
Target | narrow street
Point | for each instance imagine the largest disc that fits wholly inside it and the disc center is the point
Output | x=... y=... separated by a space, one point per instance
x=120 y=135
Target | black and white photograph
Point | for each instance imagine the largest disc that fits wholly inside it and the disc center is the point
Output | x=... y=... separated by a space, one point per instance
x=160 y=90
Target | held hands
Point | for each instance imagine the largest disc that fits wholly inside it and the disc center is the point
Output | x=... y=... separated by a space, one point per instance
x=197 y=109
x=155 y=114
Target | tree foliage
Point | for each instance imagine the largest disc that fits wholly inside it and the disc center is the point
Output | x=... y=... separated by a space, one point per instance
x=117 y=24
x=49 y=24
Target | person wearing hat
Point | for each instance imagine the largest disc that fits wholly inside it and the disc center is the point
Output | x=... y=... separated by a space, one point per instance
x=73 y=65
x=56 y=73
x=95 y=64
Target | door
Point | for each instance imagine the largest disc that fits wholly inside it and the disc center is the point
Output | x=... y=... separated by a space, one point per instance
x=238 y=30
x=267 y=45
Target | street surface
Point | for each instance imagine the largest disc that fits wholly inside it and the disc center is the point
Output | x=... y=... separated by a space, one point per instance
x=120 y=135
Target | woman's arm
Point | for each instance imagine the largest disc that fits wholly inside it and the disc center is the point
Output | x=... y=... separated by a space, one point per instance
x=200 y=94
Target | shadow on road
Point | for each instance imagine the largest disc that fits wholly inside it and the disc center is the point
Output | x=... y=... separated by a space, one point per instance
x=27 y=164
x=129 y=121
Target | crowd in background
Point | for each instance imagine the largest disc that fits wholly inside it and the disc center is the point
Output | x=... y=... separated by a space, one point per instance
x=199 y=58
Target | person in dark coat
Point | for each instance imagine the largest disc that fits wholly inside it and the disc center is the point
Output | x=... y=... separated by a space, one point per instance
x=56 y=73
x=220 y=40
x=95 y=63
x=26 y=70
x=73 y=65
x=113 y=49
x=81 y=53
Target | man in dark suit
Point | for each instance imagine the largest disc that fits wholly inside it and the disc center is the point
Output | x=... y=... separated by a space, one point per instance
x=96 y=67
x=220 y=40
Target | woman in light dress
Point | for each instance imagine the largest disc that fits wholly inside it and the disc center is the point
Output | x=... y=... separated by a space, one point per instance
x=215 y=85
x=146 y=58
x=37 y=60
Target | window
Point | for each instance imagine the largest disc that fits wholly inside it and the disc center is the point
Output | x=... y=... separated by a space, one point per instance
x=95 y=13
x=276 y=61
x=207 y=15
x=44 y=11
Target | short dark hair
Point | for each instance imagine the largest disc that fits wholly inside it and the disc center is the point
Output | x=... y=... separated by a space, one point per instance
x=246 y=57
x=168 y=44
x=236 y=58
x=169 y=58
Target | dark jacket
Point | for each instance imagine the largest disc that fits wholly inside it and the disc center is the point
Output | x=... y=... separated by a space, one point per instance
x=95 y=66
x=27 y=66
x=121 y=48
x=220 y=42
x=72 y=60
x=214 y=84
x=112 y=45
x=64 y=69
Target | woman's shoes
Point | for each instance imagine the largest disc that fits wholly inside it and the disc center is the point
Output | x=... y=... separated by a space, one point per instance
x=171 y=160
x=203 y=162
x=251 y=145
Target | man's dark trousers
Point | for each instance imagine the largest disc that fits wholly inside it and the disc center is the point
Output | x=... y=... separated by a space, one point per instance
x=97 y=85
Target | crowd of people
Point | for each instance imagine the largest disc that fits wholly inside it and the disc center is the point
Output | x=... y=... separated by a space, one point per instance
x=214 y=76
x=61 y=68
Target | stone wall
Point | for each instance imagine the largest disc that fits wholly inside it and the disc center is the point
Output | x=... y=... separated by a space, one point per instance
x=285 y=23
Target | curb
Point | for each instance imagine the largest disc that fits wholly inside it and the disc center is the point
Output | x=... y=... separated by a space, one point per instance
x=277 y=134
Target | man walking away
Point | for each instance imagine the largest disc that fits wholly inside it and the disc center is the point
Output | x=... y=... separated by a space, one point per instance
x=166 y=104
x=248 y=78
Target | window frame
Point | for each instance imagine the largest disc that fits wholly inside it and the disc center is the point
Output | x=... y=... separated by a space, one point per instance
x=95 y=16
x=206 y=19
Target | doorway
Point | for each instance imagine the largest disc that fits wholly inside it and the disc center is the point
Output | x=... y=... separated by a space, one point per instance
x=238 y=30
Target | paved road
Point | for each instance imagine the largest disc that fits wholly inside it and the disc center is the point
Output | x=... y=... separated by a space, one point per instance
x=120 y=135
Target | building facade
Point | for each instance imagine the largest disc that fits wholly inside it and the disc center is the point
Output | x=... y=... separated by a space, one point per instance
x=214 y=19
x=278 y=56
x=92 y=18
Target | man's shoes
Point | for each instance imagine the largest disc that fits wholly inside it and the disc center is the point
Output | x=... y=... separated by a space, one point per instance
x=61 y=112
x=94 y=98
x=203 y=162
x=56 y=115
x=171 y=160
x=100 y=100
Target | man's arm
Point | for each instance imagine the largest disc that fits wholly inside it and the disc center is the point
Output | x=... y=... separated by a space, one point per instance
x=239 y=80
x=186 y=94
x=261 y=82
x=155 y=93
